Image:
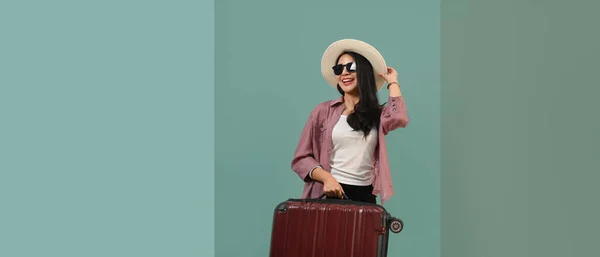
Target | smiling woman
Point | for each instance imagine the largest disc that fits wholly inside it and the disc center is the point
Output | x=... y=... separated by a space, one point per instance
x=363 y=114
x=354 y=124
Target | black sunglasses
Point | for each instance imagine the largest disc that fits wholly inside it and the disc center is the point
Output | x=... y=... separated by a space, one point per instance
x=338 y=69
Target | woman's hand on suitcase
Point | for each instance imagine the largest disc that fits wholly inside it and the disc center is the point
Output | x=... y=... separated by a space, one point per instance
x=332 y=188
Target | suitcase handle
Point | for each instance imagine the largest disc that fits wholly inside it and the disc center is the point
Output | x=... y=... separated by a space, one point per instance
x=344 y=196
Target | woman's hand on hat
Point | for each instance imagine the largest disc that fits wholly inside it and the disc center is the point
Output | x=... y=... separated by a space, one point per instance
x=390 y=76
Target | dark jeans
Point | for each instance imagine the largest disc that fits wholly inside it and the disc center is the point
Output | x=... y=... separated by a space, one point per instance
x=359 y=193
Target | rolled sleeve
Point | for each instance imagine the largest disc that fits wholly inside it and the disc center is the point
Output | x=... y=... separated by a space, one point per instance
x=304 y=162
x=394 y=115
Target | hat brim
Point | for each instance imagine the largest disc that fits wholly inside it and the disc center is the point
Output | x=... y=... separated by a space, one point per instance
x=337 y=48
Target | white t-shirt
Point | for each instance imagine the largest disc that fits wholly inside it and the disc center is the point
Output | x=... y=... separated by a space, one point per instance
x=353 y=155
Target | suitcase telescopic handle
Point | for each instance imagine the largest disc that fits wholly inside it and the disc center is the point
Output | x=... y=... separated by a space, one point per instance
x=344 y=196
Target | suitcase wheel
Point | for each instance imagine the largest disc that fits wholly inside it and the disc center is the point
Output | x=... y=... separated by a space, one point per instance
x=396 y=225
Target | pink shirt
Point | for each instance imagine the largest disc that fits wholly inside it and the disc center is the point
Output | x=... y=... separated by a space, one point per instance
x=315 y=144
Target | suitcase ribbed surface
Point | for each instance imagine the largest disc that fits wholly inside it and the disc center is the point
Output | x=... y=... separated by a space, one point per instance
x=332 y=229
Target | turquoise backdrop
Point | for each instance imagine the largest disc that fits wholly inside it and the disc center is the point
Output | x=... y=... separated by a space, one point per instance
x=107 y=143
x=106 y=128
x=268 y=80
x=520 y=144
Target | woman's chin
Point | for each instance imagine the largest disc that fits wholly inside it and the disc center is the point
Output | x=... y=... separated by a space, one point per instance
x=348 y=88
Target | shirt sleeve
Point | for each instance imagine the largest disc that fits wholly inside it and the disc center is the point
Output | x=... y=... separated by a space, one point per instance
x=304 y=162
x=394 y=114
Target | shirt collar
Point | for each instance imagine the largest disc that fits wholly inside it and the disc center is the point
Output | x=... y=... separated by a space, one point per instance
x=337 y=101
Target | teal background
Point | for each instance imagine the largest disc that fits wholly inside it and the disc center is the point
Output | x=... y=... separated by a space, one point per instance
x=268 y=80
x=106 y=128
x=107 y=144
x=520 y=142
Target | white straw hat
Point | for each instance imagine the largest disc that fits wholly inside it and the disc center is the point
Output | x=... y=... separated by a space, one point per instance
x=337 y=48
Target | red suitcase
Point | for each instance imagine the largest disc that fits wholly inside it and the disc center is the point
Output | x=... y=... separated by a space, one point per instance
x=331 y=228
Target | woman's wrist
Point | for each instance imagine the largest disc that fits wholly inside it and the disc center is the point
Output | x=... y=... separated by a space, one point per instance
x=394 y=89
x=319 y=174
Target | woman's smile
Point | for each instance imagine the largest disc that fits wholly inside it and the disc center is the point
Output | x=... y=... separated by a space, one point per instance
x=347 y=81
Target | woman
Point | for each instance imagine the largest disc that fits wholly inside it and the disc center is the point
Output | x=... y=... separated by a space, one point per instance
x=342 y=150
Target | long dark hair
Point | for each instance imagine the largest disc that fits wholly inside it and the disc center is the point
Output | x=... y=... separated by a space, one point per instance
x=368 y=110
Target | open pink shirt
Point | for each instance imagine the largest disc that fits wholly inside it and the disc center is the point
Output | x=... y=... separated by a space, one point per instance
x=315 y=144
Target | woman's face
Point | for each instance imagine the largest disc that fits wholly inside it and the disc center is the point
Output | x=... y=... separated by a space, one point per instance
x=347 y=80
